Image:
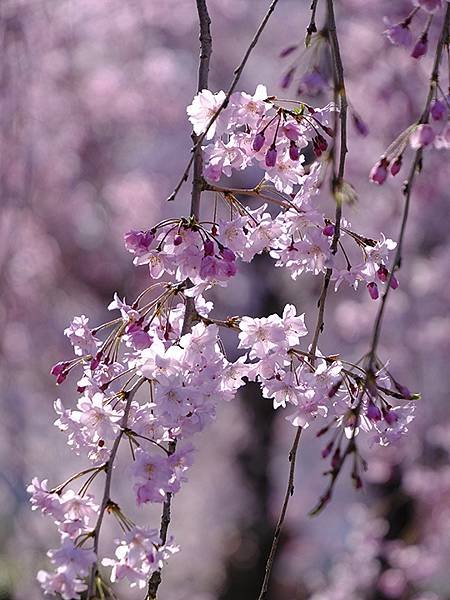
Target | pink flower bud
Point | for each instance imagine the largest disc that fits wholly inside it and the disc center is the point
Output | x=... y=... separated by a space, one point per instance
x=394 y=282
x=423 y=135
x=96 y=361
x=373 y=290
x=334 y=389
x=396 y=166
x=287 y=79
x=271 y=157
x=327 y=450
x=336 y=460
x=383 y=274
x=59 y=368
x=360 y=125
x=294 y=152
x=379 y=171
x=421 y=47
x=208 y=248
x=288 y=51
x=328 y=130
x=258 y=142
x=61 y=378
x=373 y=412
x=437 y=110
x=328 y=230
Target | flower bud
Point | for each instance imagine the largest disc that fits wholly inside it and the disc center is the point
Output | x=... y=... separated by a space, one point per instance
x=336 y=460
x=421 y=47
x=360 y=125
x=271 y=157
x=328 y=230
x=404 y=391
x=287 y=79
x=394 y=282
x=437 y=110
x=379 y=172
x=258 y=142
x=322 y=142
x=373 y=290
x=383 y=274
x=396 y=166
x=59 y=368
x=327 y=450
x=389 y=416
x=423 y=135
x=288 y=51
x=228 y=255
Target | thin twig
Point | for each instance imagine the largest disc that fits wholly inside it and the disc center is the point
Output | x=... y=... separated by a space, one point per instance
x=237 y=74
x=370 y=377
x=407 y=189
x=197 y=187
x=339 y=90
x=107 y=489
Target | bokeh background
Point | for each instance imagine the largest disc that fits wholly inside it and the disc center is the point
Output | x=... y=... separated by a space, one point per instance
x=93 y=137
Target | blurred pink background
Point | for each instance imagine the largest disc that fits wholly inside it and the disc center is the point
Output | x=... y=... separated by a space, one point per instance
x=93 y=137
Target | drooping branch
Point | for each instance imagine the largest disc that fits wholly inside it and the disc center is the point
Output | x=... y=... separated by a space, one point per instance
x=337 y=178
x=370 y=378
x=408 y=185
x=109 y=467
x=197 y=181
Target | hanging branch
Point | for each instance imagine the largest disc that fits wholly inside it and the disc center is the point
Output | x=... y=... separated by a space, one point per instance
x=237 y=75
x=197 y=184
x=108 y=468
x=337 y=178
x=408 y=185
x=370 y=377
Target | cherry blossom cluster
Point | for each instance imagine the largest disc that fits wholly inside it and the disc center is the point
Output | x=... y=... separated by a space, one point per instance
x=144 y=380
x=257 y=130
x=316 y=388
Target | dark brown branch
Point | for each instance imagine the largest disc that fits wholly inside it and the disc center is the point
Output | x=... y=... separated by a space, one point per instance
x=237 y=74
x=408 y=185
x=339 y=92
x=109 y=466
x=370 y=378
x=197 y=187
x=279 y=526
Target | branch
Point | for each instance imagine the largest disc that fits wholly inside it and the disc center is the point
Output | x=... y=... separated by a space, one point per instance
x=109 y=466
x=339 y=93
x=237 y=75
x=376 y=332
x=408 y=185
x=197 y=187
